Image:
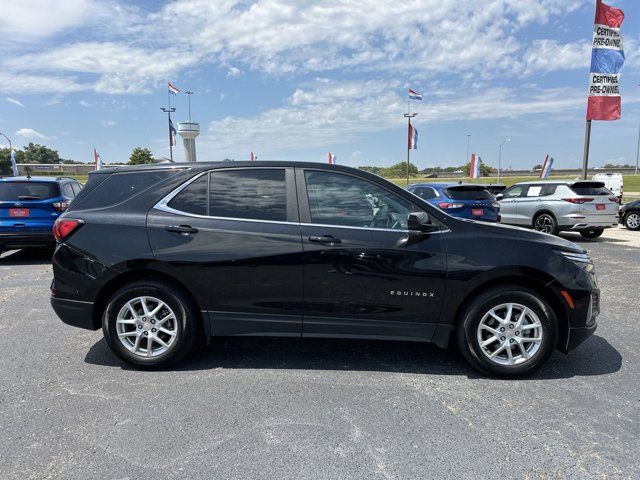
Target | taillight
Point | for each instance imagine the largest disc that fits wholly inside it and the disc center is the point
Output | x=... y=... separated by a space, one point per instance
x=445 y=205
x=60 y=206
x=578 y=201
x=64 y=227
x=614 y=199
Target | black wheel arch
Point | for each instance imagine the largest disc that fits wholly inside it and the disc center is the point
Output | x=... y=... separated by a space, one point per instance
x=110 y=287
x=445 y=334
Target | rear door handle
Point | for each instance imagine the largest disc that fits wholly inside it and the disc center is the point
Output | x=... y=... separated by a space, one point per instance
x=325 y=239
x=183 y=229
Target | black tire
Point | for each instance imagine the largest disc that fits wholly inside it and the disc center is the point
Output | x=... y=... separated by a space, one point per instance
x=634 y=223
x=546 y=223
x=186 y=324
x=592 y=233
x=467 y=330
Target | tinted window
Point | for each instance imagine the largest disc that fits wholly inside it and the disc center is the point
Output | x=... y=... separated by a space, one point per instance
x=548 y=190
x=425 y=192
x=118 y=187
x=257 y=194
x=67 y=190
x=192 y=198
x=514 y=191
x=76 y=187
x=586 y=188
x=468 y=193
x=28 y=190
x=336 y=199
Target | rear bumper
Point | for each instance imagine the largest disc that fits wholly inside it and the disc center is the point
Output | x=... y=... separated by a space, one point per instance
x=585 y=221
x=26 y=239
x=75 y=312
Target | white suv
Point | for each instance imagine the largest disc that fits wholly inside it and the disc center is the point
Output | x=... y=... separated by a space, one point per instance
x=552 y=206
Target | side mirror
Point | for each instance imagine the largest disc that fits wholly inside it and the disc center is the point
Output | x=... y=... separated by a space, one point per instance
x=420 y=221
x=499 y=196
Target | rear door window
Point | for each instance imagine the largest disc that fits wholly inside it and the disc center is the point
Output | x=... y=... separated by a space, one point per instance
x=251 y=193
x=468 y=193
x=15 y=191
x=534 y=190
x=548 y=190
x=67 y=190
x=425 y=192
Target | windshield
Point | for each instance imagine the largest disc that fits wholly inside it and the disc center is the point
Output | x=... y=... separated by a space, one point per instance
x=14 y=191
x=469 y=193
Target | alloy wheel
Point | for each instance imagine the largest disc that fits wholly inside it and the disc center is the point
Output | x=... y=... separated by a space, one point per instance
x=147 y=326
x=510 y=334
x=633 y=221
x=544 y=224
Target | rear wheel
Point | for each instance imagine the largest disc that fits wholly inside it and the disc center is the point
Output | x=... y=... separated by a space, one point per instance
x=507 y=331
x=592 y=232
x=545 y=223
x=632 y=220
x=150 y=324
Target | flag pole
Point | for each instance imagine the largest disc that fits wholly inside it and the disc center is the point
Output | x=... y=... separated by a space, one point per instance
x=585 y=157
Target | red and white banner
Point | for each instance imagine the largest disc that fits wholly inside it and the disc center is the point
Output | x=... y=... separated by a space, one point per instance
x=607 y=58
x=332 y=158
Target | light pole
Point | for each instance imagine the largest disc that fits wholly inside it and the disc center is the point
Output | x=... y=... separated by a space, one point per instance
x=638 y=148
x=500 y=156
x=188 y=93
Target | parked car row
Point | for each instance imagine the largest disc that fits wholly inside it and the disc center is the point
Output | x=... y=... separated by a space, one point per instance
x=587 y=207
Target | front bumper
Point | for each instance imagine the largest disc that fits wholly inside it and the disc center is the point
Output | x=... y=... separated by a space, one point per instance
x=26 y=239
x=581 y=329
x=75 y=312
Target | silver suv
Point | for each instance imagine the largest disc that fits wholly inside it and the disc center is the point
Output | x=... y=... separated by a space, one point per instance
x=551 y=206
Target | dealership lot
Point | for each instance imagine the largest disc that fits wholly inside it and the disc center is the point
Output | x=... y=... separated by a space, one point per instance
x=287 y=408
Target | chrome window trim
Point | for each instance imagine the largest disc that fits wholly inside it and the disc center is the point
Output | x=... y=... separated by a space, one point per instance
x=163 y=205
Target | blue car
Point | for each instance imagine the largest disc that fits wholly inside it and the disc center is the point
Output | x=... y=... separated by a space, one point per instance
x=460 y=200
x=28 y=208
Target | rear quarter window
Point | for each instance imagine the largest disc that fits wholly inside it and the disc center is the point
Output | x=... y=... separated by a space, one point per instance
x=118 y=187
x=25 y=190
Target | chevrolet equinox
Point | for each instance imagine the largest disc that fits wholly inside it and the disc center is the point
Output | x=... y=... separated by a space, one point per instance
x=162 y=257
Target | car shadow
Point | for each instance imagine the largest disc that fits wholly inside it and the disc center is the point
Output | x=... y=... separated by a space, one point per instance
x=595 y=357
x=577 y=238
x=26 y=256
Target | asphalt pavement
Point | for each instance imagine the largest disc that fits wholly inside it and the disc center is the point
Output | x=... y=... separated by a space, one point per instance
x=330 y=409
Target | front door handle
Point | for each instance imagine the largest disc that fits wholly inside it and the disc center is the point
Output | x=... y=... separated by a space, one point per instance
x=183 y=229
x=325 y=239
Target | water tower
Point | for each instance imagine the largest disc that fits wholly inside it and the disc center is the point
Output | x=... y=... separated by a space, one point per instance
x=189 y=131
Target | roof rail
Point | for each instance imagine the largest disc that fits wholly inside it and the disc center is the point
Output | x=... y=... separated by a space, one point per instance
x=63 y=178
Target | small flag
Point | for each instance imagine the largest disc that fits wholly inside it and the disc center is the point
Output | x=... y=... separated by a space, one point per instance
x=547 y=166
x=173 y=89
x=474 y=169
x=413 y=95
x=252 y=157
x=332 y=158
x=172 y=134
x=413 y=138
x=97 y=159
x=14 y=165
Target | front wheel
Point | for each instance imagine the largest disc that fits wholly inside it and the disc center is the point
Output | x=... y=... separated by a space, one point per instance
x=632 y=220
x=507 y=332
x=150 y=324
x=592 y=233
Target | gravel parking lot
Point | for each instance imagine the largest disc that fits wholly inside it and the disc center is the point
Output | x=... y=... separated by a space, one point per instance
x=287 y=408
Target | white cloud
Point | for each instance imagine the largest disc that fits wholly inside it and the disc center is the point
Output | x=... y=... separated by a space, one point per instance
x=233 y=72
x=550 y=55
x=31 y=133
x=15 y=102
x=84 y=103
x=109 y=123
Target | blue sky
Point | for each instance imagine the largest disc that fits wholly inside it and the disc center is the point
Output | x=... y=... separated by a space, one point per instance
x=294 y=79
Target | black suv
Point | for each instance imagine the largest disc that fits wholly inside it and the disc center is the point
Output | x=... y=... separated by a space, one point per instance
x=162 y=256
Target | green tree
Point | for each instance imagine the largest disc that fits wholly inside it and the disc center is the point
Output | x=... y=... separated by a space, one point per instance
x=140 y=156
x=399 y=170
x=35 y=153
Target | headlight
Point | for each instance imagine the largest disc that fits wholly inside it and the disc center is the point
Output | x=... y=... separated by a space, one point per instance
x=580 y=260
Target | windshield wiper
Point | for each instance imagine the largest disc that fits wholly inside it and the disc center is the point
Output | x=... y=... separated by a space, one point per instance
x=27 y=197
